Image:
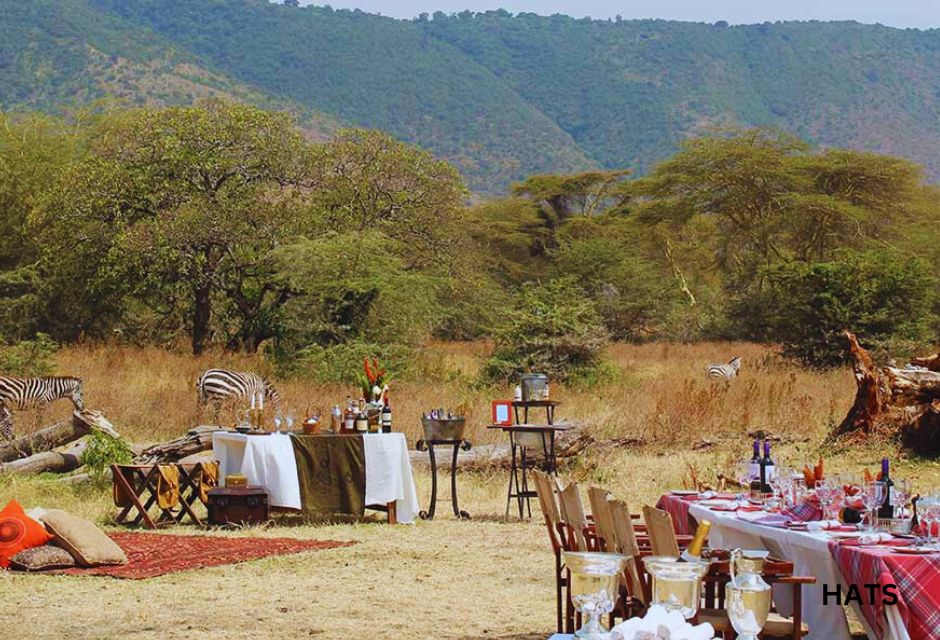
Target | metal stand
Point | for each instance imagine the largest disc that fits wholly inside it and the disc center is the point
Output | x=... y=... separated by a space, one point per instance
x=521 y=463
x=457 y=445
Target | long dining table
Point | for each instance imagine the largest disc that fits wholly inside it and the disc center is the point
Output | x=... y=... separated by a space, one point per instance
x=836 y=562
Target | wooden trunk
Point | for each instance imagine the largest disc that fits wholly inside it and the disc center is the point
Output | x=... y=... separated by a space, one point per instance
x=61 y=433
x=48 y=461
x=238 y=506
x=893 y=402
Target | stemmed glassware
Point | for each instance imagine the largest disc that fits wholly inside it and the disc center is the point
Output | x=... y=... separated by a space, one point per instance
x=873 y=495
x=278 y=419
x=827 y=492
x=929 y=509
x=742 y=473
x=900 y=494
x=289 y=421
x=782 y=484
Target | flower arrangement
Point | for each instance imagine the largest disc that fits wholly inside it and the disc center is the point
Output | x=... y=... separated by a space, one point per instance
x=374 y=379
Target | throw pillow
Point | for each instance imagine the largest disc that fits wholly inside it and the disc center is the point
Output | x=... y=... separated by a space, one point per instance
x=87 y=543
x=48 y=556
x=18 y=532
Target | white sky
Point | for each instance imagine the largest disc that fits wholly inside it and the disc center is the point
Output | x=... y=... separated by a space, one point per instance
x=898 y=13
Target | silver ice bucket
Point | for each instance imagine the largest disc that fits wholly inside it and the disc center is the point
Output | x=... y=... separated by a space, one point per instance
x=443 y=428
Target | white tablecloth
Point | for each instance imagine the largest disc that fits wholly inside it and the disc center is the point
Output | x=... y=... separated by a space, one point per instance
x=268 y=461
x=810 y=555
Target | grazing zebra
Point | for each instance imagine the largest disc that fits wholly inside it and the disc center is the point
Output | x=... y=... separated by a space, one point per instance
x=221 y=385
x=24 y=393
x=726 y=372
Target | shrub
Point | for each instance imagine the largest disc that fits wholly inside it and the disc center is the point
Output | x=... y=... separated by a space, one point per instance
x=883 y=297
x=340 y=363
x=101 y=453
x=29 y=357
x=556 y=330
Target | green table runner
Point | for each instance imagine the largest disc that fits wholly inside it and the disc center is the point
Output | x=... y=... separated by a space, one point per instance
x=331 y=470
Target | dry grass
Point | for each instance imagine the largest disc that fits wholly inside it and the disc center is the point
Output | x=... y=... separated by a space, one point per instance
x=442 y=579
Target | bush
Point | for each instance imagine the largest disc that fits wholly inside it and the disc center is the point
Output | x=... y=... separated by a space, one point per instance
x=31 y=358
x=340 y=363
x=886 y=299
x=101 y=453
x=557 y=330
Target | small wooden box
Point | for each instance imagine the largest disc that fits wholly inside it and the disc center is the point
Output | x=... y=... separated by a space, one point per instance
x=238 y=506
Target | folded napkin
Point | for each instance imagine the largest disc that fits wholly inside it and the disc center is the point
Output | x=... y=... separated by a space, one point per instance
x=658 y=624
x=823 y=525
x=874 y=538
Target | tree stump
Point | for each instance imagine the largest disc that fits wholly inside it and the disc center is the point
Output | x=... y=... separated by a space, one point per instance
x=892 y=402
x=61 y=433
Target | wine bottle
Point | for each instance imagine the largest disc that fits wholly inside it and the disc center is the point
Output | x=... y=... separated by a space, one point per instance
x=362 y=420
x=886 y=510
x=349 y=417
x=693 y=553
x=767 y=463
x=754 y=466
x=386 y=416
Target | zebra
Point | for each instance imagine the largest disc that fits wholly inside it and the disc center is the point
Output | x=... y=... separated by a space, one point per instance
x=726 y=372
x=25 y=393
x=221 y=385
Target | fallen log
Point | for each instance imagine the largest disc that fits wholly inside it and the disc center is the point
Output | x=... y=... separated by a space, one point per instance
x=892 y=402
x=195 y=441
x=48 y=461
x=81 y=424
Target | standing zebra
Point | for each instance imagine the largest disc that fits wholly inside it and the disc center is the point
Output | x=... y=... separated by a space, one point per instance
x=221 y=385
x=24 y=393
x=726 y=372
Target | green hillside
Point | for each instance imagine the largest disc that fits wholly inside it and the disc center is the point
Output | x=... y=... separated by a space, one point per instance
x=500 y=96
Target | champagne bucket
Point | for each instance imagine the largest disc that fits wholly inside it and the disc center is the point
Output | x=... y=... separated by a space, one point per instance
x=443 y=428
x=748 y=597
x=676 y=585
x=534 y=387
x=594 y=586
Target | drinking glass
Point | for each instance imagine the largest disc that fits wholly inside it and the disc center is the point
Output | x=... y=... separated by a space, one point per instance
x=826 y=492
x=289 y=421
x=742 y=473
x=873 y=495
x=278 y=419
x=243 y=418
x=900 y=494
x=782 y=485
x=931 y=513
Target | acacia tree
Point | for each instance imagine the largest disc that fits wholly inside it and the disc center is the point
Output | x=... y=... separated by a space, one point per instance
x=187 y=199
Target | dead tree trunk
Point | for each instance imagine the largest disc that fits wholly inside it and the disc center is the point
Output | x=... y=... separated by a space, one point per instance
x=61 y=433
x=198 y=439
x=48 y=461
x=891 y=401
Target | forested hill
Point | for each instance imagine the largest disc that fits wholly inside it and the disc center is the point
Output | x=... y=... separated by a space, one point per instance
x=500 y=96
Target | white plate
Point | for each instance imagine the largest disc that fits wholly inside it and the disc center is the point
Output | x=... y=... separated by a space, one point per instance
x=683 y=492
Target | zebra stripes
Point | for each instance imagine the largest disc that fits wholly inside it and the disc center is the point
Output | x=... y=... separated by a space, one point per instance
x=726 y=372
x=24 y=393
x=221 y=385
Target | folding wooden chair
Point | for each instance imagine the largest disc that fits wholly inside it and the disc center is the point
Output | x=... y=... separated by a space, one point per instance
x=661 y=533
x=558 y=538
x=603 y=524
x=572 y=513
x=135 y=490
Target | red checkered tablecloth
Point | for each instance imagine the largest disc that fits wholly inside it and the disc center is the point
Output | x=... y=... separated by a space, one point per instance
x=678 y=508
x=918 y=586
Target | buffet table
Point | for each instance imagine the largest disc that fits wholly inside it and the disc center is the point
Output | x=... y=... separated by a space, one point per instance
x=813 y=554
x=271 y=461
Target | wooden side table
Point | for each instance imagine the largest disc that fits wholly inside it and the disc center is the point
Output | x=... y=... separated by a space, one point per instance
x=525 y=405
x=521 y=438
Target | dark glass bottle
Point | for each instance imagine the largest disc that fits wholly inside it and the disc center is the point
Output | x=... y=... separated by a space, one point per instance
x=886 y=510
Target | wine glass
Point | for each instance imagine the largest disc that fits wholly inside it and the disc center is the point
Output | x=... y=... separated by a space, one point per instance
x=931 y=511
x=873 y=495
x=782 y=484
x=742 y=473
x=826 y=491
x=900 y=494
x=289 y=421
x=278 y=419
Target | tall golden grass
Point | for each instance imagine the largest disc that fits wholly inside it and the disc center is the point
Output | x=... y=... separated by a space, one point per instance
x=660 y=392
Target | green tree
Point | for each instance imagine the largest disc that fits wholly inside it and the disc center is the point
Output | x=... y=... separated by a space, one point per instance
x=887 y=299
x=187 y=199
x=555 y=330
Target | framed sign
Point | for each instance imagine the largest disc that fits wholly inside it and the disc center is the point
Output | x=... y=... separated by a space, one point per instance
x=502 y=413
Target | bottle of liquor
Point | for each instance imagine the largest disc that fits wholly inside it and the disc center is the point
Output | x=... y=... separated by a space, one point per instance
x=767 y=464
x=362 y=418
x=886 y=510
x=349 y=417
x=386 y=416
x=517 y=394
x=336 y=419
x=693 y=553
x=754 y=466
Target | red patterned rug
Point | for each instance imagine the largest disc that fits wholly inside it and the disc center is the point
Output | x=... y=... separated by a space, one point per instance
x=155 y=554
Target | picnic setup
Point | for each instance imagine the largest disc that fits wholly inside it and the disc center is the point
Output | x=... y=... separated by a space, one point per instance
x=772 y=548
